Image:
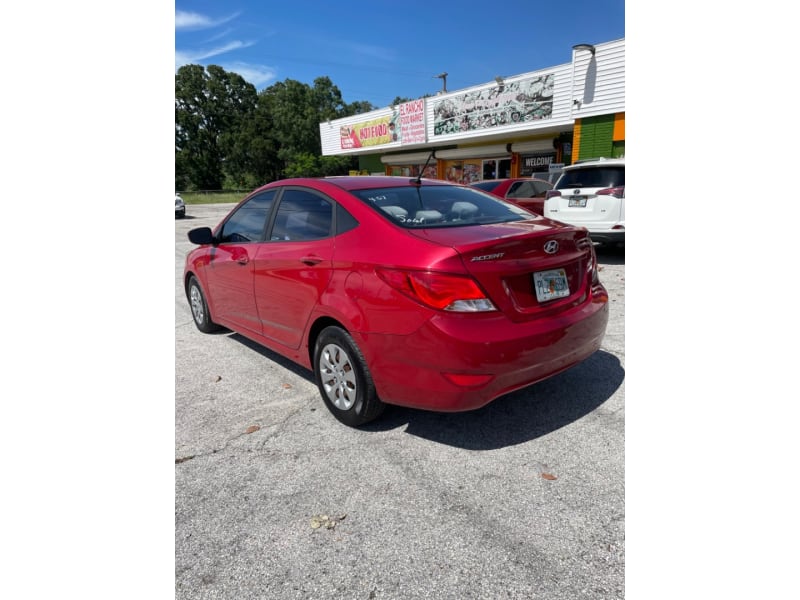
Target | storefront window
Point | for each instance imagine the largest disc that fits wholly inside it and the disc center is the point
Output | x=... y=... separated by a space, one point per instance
x=462 y=171
x=496 y=168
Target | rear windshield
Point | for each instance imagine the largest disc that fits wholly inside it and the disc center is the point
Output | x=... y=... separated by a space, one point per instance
x=595 y=177
x=422 y=207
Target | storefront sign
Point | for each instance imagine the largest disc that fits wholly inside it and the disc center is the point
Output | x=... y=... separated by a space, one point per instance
x=369 y=133
x=536 y=163
x=412 y=122
x=406 y=125
x=506 y=104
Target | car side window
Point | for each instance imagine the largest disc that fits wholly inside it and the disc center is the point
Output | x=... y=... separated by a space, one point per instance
x=344 y=220
x=302 y=215
x=513 y=190
x=247 y=223
x=521 y=189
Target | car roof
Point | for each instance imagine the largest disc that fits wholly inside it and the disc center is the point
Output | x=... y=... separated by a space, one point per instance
x=595 y=162
x=362 y=182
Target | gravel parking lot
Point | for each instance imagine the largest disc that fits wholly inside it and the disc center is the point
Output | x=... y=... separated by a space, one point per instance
x=274 y=498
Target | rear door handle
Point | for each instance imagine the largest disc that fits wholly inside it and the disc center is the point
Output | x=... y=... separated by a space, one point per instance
x=311 y=260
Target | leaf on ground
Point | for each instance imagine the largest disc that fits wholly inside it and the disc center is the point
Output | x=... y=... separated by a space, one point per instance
x=219 y=378
x=328 y=522
x=287 y=386
x=252 y=429
x=549 y=476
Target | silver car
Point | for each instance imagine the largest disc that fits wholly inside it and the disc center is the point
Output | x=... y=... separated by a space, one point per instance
x=180 y=207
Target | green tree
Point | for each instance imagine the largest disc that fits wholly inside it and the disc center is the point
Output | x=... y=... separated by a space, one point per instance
x=398 y=100
x=252 y=159
x=296 y=110
x=211 y=106
x=357 y=108
x=227 y=135
x=304 y=164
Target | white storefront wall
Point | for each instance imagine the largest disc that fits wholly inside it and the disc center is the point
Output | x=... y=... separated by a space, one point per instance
x=591 y=85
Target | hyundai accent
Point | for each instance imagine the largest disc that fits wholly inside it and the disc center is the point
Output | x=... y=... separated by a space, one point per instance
x=411 y=292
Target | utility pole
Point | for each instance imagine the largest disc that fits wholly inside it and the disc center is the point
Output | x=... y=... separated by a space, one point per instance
x=443 y=77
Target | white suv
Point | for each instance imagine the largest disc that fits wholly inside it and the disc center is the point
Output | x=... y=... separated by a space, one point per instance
x=591 y=194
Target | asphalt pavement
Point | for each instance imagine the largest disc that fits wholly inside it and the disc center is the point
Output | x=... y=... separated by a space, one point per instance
x=274 y=498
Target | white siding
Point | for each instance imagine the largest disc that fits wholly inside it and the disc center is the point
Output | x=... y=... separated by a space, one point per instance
x=600 y=80
x=597 y=82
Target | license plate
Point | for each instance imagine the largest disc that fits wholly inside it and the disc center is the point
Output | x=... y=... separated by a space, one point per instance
x=550 y=285
x=579 y=201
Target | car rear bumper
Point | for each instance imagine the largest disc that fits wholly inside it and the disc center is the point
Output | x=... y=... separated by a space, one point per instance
x=510 y=355
x=610 y=232
x=606 y=236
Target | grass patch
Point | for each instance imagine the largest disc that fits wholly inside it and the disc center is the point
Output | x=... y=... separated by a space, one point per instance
x=212 y=197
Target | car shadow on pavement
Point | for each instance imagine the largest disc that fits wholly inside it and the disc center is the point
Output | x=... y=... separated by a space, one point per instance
x=273 y=356
x=512 y=419
x=517 y=417
x=610 y=255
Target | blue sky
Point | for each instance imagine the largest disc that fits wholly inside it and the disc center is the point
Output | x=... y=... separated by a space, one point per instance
x=379 y=50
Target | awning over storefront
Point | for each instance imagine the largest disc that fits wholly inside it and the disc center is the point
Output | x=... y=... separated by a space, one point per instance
x=475 y=152
x=533 y=146
x=410 y=158
x=489 y=151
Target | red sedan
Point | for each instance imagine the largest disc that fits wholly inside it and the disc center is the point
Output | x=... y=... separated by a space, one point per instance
x=527 y=192
x=392 y=290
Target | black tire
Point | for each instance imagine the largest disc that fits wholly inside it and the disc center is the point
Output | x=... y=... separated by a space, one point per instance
x=199 y=307
x=343 y=378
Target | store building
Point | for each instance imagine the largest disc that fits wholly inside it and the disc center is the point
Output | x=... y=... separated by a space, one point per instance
x=525 y=125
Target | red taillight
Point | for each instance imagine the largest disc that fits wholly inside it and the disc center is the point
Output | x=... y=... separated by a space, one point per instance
x=617 y=192
x=551 y=193
x=441 y=291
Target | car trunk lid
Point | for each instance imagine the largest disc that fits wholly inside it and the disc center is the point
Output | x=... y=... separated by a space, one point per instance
x=528 y=269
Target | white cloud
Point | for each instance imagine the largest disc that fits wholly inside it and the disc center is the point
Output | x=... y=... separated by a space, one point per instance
x=258 y=75
x=371 y=51
x=195 y=56
x=190 y=20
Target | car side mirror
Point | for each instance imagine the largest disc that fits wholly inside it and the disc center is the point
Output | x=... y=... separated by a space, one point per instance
x=202 y=236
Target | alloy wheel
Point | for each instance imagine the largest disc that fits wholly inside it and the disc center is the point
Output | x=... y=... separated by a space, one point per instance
x=338 y=377
x=196 y=300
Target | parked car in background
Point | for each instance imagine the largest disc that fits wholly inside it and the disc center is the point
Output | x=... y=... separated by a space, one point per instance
x=527 y=192
x=591 y=194
x=180 y=207
x=419 y=293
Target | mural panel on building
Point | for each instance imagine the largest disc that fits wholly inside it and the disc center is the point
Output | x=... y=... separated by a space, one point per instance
x=506 y=104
